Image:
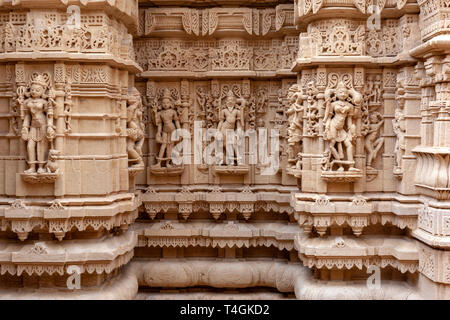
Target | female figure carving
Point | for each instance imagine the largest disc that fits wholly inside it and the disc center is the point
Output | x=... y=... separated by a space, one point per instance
x=373 y=142
x=37 y=103
x=294 y=113
x=340 y=130
x=399 y=128
x=135 y=128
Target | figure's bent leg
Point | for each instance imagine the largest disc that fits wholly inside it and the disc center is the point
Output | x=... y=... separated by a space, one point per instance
x=334 y=151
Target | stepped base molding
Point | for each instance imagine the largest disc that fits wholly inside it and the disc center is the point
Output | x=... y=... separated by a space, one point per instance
x=288 y=278
x=116 y=157
x=62 y=216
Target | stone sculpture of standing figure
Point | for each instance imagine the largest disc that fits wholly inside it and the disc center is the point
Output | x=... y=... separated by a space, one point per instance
x=340 y=130
x=399 y=128
x=295 y=115
x=135 y=128
x=36 y=103
x=373 y=141
x=167 y=122
x=231 y=118
x=398 y=124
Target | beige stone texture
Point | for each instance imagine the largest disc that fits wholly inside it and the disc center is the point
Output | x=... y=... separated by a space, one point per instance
x=96 y=98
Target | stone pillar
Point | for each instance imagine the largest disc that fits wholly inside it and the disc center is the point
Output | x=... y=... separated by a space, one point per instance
x=65 y=175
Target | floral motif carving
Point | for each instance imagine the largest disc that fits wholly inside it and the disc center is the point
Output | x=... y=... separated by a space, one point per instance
x=337 y=37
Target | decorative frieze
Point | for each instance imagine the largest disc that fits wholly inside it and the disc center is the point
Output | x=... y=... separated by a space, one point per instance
x=217 y=21
x=224 y=55
x=48 y=33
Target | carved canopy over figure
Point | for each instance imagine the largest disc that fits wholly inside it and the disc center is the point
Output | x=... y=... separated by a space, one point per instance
x=231 y=117
x=342 y=105
x=167 y=121
x=36 y=102
x=135 y=128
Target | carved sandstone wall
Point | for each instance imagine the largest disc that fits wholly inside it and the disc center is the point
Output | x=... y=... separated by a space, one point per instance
x=87 y=180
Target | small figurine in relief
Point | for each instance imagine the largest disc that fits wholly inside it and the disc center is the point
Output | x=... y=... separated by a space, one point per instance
x=183 y=105
x=52 y=165
x=135 y=128
x=399 y=128
x=295 y=116
x=373 y=141
x=398 y=124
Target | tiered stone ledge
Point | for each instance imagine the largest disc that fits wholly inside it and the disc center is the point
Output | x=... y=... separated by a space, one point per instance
x=308 y=11
x=127 y=10
x=91 y=256
x=322 y=211
x=399 y=60
x=440 y=242
x=209 y=234
x=243 y=200
x=344 y=252
x=122 y=287
x=206 y=75
x=240 y=21
x=202 y=3
x=108 y=59
x=61 y=216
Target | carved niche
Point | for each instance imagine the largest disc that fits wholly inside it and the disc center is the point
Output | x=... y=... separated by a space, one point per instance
x=36 y=101
x=342 y=107
x=166 y=119
x=234 y=113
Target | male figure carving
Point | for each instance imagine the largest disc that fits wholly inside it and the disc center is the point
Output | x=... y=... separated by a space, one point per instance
x=167 y=122
x=231 y=118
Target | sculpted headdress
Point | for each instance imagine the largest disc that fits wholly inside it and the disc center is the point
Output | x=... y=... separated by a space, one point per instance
x=166 y=95
x=230 y=96
x=341 y=86
x=39 y=79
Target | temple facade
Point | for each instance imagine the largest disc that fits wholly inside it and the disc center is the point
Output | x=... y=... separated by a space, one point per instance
x=261 y=149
